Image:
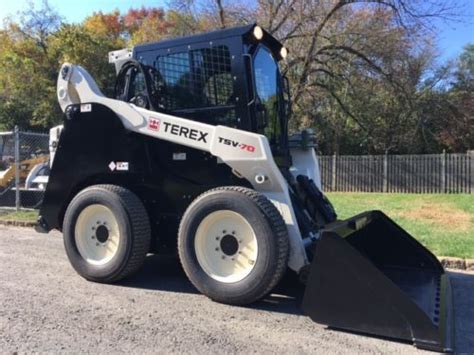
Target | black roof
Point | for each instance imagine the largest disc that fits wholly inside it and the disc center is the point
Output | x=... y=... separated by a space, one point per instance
x=209 y=36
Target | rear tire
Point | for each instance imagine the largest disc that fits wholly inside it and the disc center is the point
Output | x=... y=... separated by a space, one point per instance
x=106 y=233
x=233 y=245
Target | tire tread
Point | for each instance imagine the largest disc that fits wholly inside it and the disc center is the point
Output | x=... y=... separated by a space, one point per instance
x=140 y=228
x=276 y=223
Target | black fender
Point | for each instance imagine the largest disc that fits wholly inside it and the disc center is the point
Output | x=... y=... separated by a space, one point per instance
x=90 y=142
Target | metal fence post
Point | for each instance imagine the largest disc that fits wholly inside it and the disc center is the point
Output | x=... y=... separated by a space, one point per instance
x=333 y=180
x=17 y=168
x=470 y=170
x=443 y=172
x=385 y=172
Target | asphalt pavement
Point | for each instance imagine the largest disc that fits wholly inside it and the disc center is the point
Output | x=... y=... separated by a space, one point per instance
x=46 y=307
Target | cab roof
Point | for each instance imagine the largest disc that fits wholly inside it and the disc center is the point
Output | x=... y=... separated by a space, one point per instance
x=245 y=32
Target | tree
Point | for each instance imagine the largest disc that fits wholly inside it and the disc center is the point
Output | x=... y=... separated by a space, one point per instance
x=27 y=95
x=80 y=45
x=456 y=120
x=204 y=15
x=464 y=73
x=31 y=52
x=362 y=72
x=105 y=25
x=146 y=25
x=355 y=65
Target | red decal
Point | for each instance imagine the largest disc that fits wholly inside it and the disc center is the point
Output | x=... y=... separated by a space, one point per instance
x=247 y=147
x=154 y=124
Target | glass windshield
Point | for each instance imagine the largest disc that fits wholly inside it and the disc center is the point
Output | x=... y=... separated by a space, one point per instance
x=267 y=90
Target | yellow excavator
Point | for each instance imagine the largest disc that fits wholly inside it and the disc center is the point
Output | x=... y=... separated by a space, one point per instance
x=33 y=175
x=7 y=177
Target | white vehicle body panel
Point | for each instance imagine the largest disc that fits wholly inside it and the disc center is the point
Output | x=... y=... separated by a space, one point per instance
x=306 y=163
x=120 y=57
x=54 y=134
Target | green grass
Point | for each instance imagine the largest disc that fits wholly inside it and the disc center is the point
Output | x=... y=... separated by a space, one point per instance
x=443 y=223
x=21 y=216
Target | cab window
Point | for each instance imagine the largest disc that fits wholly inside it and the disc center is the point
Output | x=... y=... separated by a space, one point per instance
x=267 y=91
x=198 y=84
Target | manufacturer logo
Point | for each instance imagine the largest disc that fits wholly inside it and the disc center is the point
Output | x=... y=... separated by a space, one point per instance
x=236 y=144
x=154 y=124
x=189 y=133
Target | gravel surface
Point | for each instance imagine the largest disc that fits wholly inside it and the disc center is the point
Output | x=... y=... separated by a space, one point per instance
x=46 y=307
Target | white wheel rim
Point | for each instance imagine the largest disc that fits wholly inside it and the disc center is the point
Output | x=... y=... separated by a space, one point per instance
x=93 y=223
x=214 y=246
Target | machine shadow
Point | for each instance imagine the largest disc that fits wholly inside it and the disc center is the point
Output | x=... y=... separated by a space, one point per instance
x=164 y=273
x=285 y=298
x=160 y=273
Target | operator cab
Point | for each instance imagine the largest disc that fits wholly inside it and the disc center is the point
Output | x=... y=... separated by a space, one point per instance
x=227 y=77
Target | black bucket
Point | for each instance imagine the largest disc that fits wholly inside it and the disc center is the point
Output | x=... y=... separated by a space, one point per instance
x=369 y=275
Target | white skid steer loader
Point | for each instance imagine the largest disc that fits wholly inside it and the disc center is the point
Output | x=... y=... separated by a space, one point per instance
x=194 y=151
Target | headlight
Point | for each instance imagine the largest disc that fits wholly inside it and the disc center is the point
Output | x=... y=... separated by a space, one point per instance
x=258 y=33
x=283 y=52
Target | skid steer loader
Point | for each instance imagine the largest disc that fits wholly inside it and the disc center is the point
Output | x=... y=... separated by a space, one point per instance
x=194 y=150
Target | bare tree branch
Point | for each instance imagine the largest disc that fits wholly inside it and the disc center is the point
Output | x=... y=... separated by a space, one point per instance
x=221 y=13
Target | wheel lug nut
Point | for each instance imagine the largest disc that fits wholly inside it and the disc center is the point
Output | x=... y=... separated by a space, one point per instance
x=224 y=231
x=217 y=238
x=97 y=244
x=217 y=249
x=92 y=237
x=233 y=232
x=223 y=257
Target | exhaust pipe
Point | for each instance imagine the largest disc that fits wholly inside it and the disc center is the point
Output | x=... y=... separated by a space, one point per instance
x=369 y=275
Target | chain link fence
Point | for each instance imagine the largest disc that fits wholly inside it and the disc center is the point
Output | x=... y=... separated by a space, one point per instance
x=24 y=168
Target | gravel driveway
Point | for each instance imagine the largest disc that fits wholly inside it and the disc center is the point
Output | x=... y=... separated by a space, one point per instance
x=46 y=306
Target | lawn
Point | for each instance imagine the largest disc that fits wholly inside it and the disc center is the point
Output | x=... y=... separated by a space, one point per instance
x=21 y=216
x=443 y=223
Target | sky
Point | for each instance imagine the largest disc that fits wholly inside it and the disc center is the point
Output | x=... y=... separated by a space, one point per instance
x=452 y=37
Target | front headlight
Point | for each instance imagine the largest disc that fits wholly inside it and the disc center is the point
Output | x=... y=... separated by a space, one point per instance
x=258 y=33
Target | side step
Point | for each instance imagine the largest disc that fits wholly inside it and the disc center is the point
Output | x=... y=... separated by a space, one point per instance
x=369 y=275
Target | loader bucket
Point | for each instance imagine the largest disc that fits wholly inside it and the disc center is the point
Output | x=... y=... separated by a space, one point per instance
x=368 y=275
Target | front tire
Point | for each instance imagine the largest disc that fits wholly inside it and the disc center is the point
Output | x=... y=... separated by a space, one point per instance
x=106 y=233
x=233 y=245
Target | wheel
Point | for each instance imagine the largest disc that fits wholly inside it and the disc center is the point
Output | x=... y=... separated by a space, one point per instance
x=233 y=245
x=106 y=233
